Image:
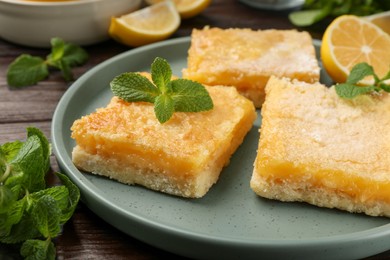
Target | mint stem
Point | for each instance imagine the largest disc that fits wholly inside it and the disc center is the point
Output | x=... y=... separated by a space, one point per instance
x=6 y=173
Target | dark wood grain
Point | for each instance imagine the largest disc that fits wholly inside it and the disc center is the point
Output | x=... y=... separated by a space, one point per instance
x=86 y=236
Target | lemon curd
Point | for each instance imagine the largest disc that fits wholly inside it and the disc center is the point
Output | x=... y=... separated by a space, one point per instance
x=321 y=149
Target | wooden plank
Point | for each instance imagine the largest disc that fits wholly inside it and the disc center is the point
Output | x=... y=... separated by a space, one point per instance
x=35 y=103
x=17 y=131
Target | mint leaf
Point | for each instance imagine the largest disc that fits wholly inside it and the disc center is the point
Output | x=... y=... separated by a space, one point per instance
x=385 y=87
x=167 y=95
x=16 y=181
x=66 y=55
x=7 y=198
x=59 y=193
x=57 y=50
x=190 y=96
x=26 y=70
x=133 y=87
x=28 y=209
x=73 y=198
x=46 y=148
x=4 y=227
x=161 y=74
x=30 y=160
x=21 y=231
x=13 y=216
x=34 y=249
x=351 y=89
x=164 y=108
x=359 y=72
x=11 y=149
x=46 y=216
x=74 y=55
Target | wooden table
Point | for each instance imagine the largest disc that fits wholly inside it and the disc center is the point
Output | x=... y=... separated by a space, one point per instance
x=86 y=236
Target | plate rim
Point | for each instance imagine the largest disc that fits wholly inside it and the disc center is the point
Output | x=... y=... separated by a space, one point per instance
x=89 y=193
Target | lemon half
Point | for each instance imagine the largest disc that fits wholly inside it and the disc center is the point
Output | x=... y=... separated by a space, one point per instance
x=186 y=8
x=350 y=40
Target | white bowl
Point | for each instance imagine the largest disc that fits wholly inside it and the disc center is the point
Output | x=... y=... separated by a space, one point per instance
x=83 y=22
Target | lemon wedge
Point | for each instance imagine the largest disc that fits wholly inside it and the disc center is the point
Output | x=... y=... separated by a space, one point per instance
x=147 y=25
x=350 y=40
x=186 y=8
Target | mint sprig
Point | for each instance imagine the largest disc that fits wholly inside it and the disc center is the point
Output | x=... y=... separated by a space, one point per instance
x=32 y=214
x=27 y=70
x=351 y=89
x=167 y=95
x=314 y=11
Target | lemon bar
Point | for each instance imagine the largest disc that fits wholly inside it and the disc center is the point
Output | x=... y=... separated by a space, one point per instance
x=318 y=148
x=246 y=58
x=184 y=156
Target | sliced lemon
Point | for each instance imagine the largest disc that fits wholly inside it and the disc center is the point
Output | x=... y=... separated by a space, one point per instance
x=150 y=24
x=186 y=8
x=349 y=40
x=381 y=19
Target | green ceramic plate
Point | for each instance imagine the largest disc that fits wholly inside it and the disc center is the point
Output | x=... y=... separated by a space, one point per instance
x=230 y=222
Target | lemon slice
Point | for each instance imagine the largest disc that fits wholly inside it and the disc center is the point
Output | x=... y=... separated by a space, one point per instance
x=186 y=8
x=150 y=24
x=349 y=40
